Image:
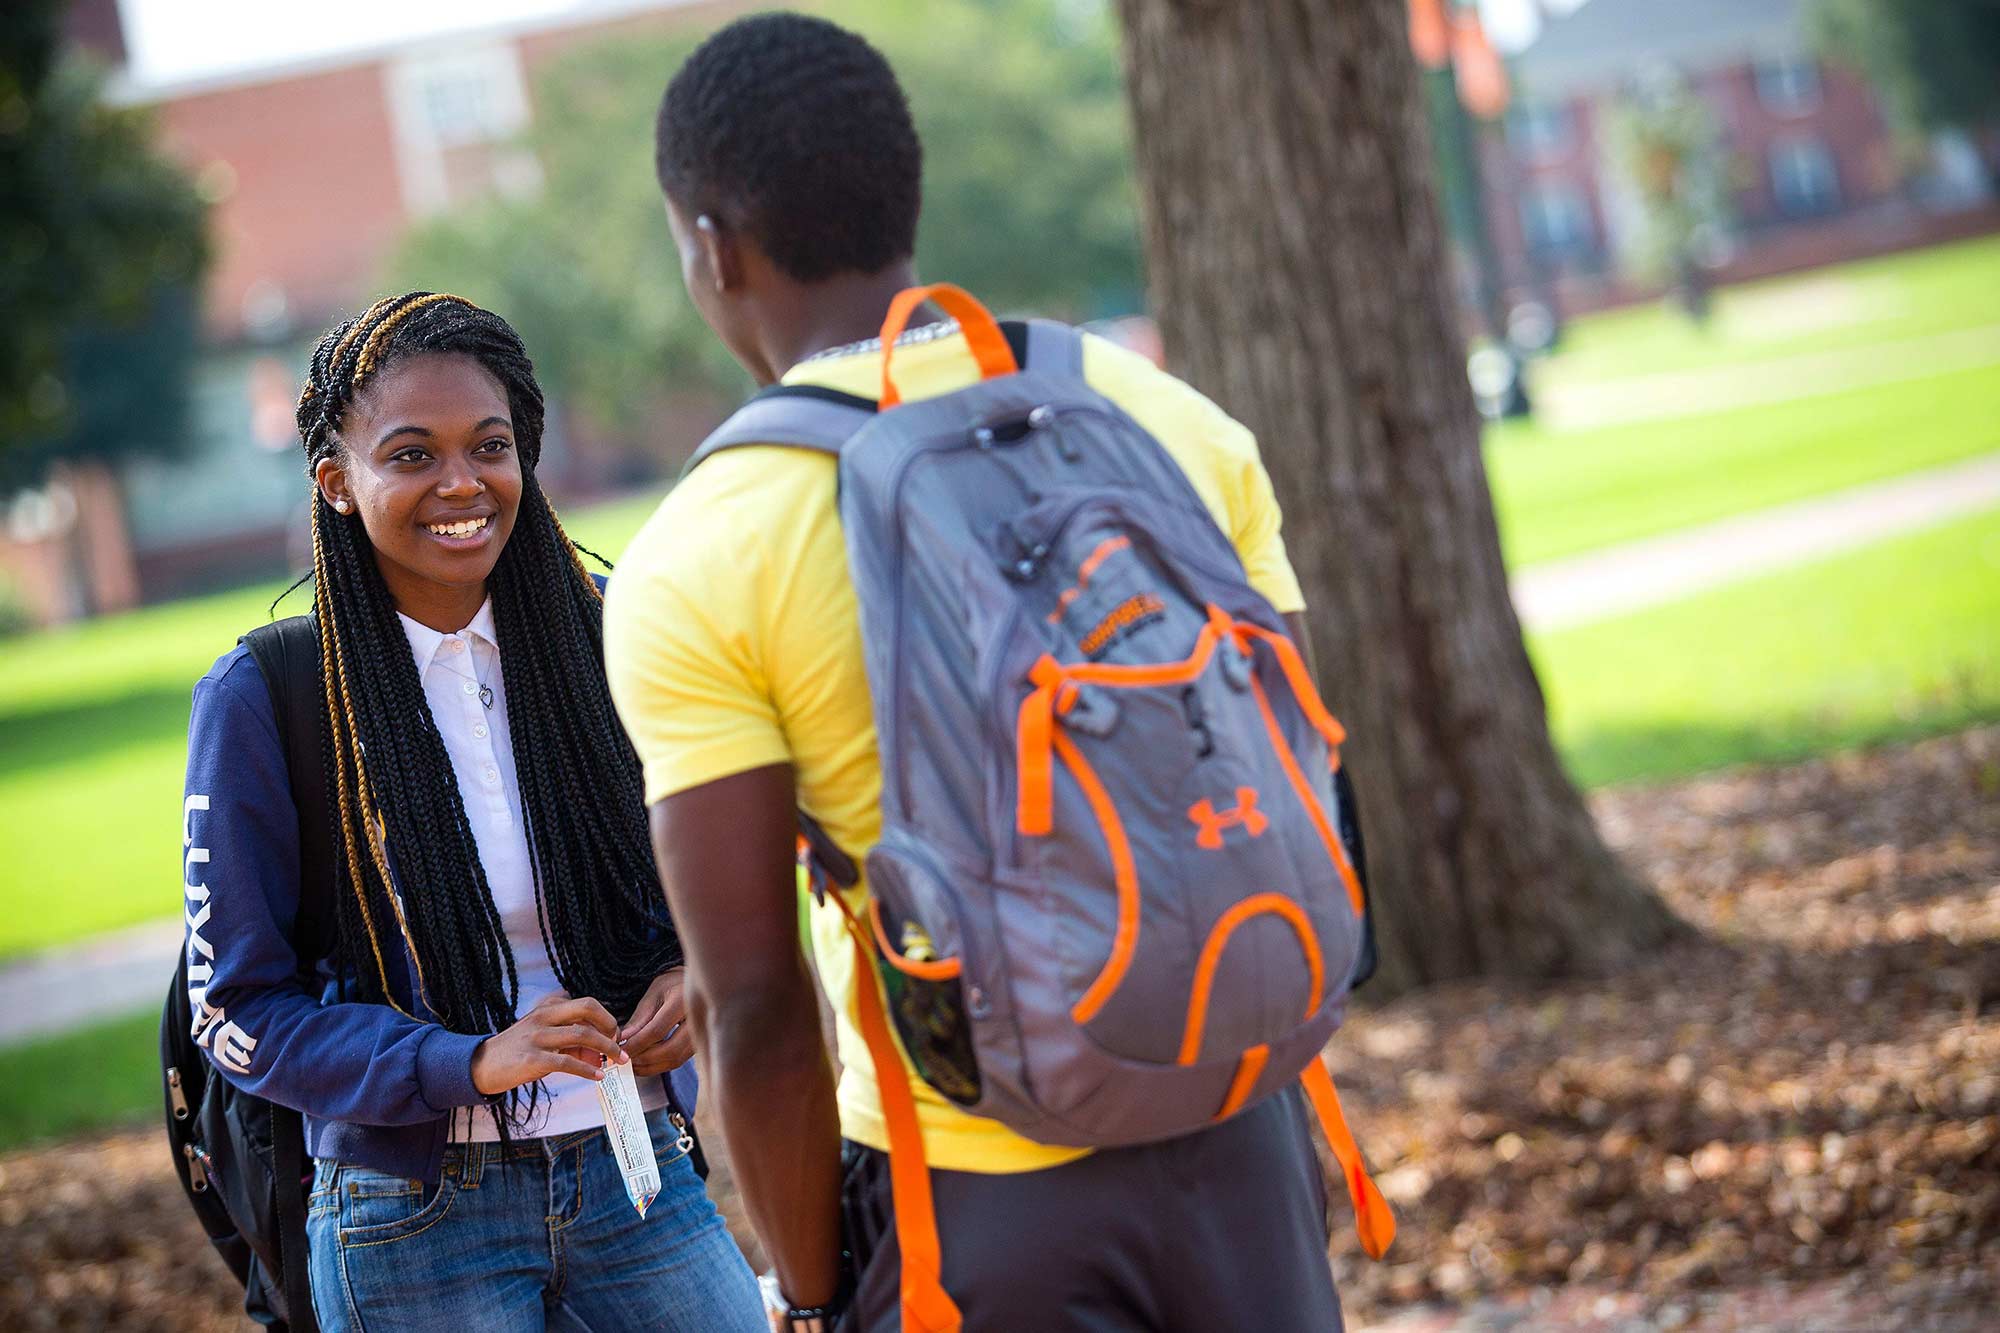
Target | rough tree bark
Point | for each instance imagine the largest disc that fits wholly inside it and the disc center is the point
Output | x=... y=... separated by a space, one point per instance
x=1299 y=272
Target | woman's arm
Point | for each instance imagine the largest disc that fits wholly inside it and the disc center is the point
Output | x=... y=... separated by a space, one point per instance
x=364 y=1063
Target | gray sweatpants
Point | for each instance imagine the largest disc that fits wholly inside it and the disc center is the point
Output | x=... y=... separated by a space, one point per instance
x=1219 y=1231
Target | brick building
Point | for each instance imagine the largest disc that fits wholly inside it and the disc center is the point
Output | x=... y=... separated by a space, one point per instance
x=1810 y=170
x=315 y=170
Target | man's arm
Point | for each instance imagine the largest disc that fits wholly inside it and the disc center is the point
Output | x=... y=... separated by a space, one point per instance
x=726 y=853
x=1295 y=625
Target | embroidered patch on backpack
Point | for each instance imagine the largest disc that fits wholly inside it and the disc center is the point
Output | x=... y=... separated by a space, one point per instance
x=1125 y=617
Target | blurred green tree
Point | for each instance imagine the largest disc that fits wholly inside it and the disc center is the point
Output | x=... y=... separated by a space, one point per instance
x=1670 y=148
x=104 y=239
x=1935 y=63
x=1028 y=196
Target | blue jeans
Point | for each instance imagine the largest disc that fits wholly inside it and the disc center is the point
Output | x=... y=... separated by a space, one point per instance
x=532 y=1235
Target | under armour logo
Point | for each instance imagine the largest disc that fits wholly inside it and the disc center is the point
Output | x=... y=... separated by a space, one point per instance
x=1209 y=822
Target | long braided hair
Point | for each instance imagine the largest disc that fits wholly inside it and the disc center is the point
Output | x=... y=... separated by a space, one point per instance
x=603 y=918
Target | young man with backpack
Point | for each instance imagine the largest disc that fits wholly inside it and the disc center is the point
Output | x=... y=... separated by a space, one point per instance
x=1008 y=667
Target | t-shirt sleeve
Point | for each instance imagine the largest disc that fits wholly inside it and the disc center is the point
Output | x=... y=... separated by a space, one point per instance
x=1257 y=528
x=685 y=681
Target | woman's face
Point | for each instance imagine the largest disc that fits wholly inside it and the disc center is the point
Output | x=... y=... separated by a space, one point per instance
x=427 y=460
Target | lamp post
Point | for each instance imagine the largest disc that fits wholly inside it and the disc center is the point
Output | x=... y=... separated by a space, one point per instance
x=1464 y=79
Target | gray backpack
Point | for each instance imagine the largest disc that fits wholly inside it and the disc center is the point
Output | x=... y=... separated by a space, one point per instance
x=1111 y=903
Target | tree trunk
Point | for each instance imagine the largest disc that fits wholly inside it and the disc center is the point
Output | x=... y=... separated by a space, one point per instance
x=1300 y=276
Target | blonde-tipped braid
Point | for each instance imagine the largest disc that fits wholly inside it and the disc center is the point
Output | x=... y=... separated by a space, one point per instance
x=373 y=828
x=340 y=348
x=346 y=748
x=365 y=364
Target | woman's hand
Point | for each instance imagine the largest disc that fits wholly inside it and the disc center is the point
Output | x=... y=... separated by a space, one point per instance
x=658 y=1038
x=558 y=1036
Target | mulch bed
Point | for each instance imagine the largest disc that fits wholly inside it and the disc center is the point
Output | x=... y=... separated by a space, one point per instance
x=1792 y=1123
x=1809 y=1096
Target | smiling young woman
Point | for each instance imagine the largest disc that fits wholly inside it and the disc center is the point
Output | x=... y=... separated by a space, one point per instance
x=499 y=930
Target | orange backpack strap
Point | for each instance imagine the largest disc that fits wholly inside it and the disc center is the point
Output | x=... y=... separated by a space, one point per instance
x=1372 y=1217
x=926 y=1306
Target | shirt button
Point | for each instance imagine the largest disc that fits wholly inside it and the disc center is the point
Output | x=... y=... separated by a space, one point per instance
x=471 y=688
x=492 y=775
x=453 y=645
x=480 y=731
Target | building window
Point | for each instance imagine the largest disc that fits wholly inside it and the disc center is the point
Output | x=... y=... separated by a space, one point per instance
x=466 y=97
x=1804 y=180
x=1788 y=86
x=457 y=109
x=1540 y=131
x=1556 y=220
x=455 y=112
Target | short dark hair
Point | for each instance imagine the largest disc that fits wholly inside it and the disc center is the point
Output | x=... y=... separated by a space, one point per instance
x=794 y=130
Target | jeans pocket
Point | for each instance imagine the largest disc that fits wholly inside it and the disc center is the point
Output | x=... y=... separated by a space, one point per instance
x=325 y=1194
x=376 y=1207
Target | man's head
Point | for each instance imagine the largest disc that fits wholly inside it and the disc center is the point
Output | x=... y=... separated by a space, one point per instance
x=785 y=150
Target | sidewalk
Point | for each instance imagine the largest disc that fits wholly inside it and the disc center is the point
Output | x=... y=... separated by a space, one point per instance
x=107 y=976
x=1604 y=583
x=1669 y=394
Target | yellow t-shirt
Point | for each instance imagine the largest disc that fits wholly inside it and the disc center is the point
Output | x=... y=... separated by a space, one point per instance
x=733 y=642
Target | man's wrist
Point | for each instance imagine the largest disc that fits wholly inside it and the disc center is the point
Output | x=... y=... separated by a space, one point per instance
x=811 y=1318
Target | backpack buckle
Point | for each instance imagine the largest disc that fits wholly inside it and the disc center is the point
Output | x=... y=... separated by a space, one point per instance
x=824 y=863
x=1237 y=664
x=1091 y=711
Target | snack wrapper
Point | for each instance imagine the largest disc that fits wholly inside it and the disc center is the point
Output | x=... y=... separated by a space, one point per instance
x=631 y=1143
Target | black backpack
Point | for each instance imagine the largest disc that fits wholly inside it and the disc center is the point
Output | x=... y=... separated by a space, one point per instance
x=242 y=1160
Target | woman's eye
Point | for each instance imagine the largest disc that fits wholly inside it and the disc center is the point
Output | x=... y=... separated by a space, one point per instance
x=410 y=455
x=496 y=445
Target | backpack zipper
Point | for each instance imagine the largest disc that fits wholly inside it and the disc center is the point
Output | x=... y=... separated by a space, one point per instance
x=175 y=1095
x=198 y=1164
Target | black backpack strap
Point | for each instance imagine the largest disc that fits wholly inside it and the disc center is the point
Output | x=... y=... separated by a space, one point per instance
x=288 y=1169
x=1357 y=852
x=287 y=655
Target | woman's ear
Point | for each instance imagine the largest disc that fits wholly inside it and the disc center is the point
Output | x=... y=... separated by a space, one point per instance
x=331 y=479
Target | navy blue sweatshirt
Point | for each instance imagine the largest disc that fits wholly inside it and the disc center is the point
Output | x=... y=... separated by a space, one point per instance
x=376 y=1088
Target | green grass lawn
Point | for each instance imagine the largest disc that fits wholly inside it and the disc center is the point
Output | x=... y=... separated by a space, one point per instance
x=1894 y=640
x=98 y=1077
x=1891 y=299
x=93 y=742
x=1564 y=493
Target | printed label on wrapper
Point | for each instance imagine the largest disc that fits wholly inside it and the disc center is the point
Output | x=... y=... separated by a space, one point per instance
x=625 y=1126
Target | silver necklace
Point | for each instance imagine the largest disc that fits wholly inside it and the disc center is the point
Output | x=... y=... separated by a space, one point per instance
x=485 y=690
x=923 y=334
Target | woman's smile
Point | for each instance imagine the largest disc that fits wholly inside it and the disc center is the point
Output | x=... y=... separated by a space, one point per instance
x=463 y=534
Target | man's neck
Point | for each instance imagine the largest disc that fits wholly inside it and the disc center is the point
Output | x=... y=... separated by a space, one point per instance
x=840 y=310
